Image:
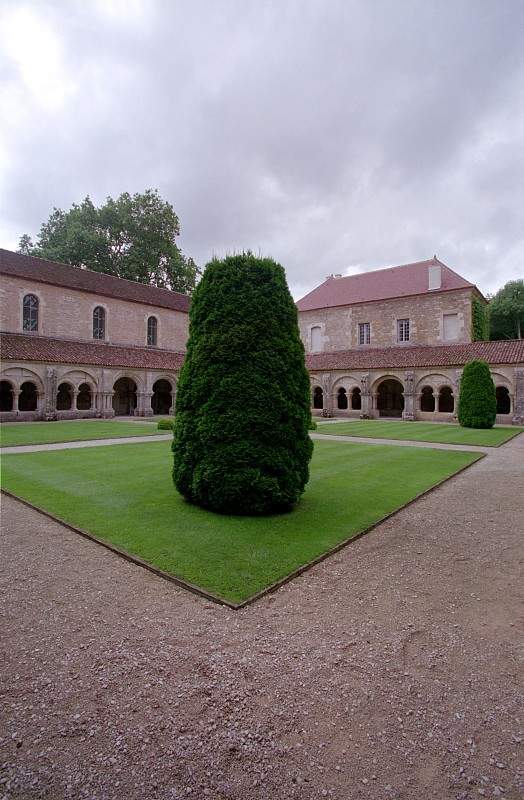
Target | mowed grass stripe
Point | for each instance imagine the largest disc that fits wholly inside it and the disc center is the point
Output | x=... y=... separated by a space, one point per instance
x=26 y=433
x=124 y=495
x=441 y=433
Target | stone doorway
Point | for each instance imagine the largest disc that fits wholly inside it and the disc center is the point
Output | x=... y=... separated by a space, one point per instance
x=124 y=397
x=390 y=398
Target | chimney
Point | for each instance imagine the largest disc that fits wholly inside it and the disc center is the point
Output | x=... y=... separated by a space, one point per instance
x=434 y=277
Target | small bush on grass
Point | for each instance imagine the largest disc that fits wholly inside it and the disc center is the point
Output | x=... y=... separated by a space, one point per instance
x=477 y=398
x=241 y=442
x=165 y=424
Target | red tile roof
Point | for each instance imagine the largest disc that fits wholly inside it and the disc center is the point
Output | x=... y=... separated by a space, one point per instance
x=510 y=351
x=85 y=280
x=381 y=284
x=29 y=347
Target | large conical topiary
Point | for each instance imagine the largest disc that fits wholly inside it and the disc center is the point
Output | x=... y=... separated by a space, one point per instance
x=241 y=442
x=477 y=399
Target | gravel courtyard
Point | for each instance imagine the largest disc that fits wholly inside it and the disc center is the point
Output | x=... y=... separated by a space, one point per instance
x=389 y=671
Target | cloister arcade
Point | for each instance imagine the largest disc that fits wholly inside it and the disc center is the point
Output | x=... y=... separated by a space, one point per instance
x=403 y=395
x=58 y=393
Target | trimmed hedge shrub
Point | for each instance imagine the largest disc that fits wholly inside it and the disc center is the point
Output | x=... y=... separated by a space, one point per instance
x=477 y=399
x=241 y=443
x=165 y=424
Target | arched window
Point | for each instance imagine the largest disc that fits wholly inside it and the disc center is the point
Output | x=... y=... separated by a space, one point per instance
x=446 y=401
x=427 y=401
x=356 y=399
x=83 y=398
x=28 y=399
x=503 y=400
x=342 y=398
x=99 y=323
x=152 y=328
x=64 y=397
x=316 y=339
x=318 y=397
x=6 y=396
x=30 y=313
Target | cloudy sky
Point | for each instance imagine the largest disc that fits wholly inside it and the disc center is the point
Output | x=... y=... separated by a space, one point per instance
x=334 y=135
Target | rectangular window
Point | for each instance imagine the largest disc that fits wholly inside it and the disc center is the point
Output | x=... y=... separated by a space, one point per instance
x=364 y=335
x=450 y=327
x=403 y=330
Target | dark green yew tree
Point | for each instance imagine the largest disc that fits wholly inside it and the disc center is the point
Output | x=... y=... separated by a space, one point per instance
x=477 y=398
x=241 y=443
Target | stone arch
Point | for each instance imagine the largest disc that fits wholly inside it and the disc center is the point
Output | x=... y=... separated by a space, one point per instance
x=342 y=398
x=125 y=396
x=28 y=397
x=356 y=399
x=427 y=399
x=77 y=376
x=7 y=390
x=64 y=396
x=503 y=399
x=84 y=399
x=446 y=399
x=433 y=379
x=390 y=396
x=347 y=381
x=318 y=397
x=162 y=397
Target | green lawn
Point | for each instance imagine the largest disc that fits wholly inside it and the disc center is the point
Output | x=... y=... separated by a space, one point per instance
x=421 y=432
x=20 y=433
x=124 y=494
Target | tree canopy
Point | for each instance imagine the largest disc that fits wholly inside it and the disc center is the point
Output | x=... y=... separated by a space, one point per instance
x=132 y=237
x=507 y=312
x=241 y=443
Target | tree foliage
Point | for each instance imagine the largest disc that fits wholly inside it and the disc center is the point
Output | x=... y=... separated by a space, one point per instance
x=507 y=312
x=132 y=237
x=477 y=399
x=241 y=442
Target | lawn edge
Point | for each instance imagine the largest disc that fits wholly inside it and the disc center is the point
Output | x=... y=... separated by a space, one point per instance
x=426 y=442
x=273 y=587
x=72 y=441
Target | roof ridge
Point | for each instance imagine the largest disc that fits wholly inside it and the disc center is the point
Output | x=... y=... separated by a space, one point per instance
x=87 y=269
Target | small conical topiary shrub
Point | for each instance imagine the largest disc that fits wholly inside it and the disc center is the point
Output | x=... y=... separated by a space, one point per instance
x=477 y=399
x=241 y=443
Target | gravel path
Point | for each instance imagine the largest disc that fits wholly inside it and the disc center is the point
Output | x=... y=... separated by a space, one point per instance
x=160 y=437
x=389 y=671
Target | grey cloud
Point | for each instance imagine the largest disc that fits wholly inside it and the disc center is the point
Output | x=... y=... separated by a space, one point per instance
x=329 y=135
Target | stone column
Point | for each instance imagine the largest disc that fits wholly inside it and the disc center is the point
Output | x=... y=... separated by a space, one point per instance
x=173 y=402
x=328 y=400
x=456 y=392
x=365 y=396
x=74 y=402
x=518 y=402
x=16 y=395
x=40 y=405
x=51 y=389
x=147 y=411
x=409 y=397
x=436 y=396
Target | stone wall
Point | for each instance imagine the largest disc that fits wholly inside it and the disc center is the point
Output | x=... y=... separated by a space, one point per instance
x=339 y=325
x=68 y=313
x=411 y=384
x=47 y=378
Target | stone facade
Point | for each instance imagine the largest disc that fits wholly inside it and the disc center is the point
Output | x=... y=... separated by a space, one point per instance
x=68 y=313
x=340 y=324
x=442 y=386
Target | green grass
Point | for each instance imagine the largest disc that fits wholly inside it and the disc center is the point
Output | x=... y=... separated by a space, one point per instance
x=421 y=432
x=124 y=494
x=22 y=433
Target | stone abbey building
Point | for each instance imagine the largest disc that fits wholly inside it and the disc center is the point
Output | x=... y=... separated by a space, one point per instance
x=390 y=343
